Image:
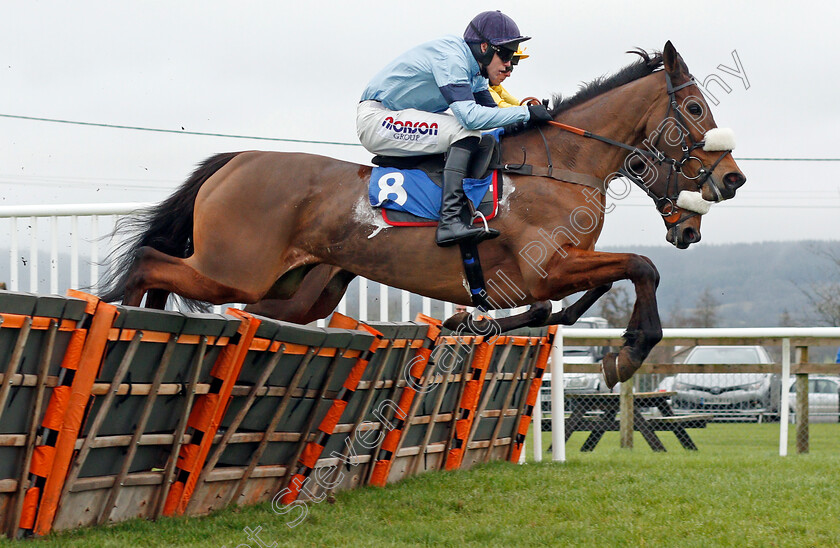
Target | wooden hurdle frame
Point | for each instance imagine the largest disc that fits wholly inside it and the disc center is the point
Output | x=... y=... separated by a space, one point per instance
x=380 y=408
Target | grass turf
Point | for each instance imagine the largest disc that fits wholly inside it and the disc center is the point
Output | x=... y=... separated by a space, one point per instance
x=734 y=491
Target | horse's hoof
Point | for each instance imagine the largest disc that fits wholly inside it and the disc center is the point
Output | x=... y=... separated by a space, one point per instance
x=619 y=367
x=609 y=370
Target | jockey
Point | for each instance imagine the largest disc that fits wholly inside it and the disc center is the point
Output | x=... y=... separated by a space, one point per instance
x=434 y=98
x=500 y=95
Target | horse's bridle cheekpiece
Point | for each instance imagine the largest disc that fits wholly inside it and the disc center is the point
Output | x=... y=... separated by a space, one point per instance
x=716 y=139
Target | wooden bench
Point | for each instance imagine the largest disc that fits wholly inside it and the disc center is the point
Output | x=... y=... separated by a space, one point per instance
x=598 y=413
x=699 y=420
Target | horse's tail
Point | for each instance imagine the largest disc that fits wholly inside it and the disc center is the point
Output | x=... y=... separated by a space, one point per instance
x=166 y=227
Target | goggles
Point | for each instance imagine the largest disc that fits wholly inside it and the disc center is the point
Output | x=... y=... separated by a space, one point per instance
x=505 y=54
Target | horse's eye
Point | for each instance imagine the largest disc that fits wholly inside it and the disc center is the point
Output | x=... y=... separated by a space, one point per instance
x=695 y=109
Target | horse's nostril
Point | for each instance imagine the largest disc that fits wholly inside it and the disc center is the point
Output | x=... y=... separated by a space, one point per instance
x=690 y=236
x=734 y=180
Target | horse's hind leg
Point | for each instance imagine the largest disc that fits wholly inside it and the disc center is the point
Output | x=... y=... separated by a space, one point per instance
x=573 y=312
x=535 y=316
x=159 y=273
x=156 y=298
x=319 y=293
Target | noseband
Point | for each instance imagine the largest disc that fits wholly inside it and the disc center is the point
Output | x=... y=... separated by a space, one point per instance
x=668 y=204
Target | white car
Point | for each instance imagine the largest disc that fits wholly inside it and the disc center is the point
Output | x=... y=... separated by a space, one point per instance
x=666 y=384
x=823 y=398
x=723 y=393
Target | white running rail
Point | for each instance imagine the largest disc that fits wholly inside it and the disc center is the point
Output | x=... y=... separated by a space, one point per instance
x=62 y=235
x=81 y=231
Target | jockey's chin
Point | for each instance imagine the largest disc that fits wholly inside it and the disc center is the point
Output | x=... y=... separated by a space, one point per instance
x=496 y=79
x=497 y=71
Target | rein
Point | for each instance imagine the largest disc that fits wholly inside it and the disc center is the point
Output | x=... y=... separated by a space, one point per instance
x=549 y=171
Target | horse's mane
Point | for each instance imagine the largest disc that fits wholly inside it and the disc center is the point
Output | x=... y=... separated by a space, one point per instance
x=648 y=64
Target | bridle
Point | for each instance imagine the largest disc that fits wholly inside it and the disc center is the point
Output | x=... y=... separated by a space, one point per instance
x=677 y=167
x=669 y=204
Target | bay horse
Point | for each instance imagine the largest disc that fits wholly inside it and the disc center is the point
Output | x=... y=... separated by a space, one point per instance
x=253 y=227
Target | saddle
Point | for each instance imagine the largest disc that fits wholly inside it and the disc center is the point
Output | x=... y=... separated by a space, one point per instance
x=397 y=177
x=417 y=200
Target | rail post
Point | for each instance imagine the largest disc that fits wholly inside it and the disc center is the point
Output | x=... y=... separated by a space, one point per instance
x=802 y=430
x=558 y=399
x=626 y=412
x=785 y=399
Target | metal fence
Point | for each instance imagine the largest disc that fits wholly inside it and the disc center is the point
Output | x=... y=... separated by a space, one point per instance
x=787 y=388
x=68 y=237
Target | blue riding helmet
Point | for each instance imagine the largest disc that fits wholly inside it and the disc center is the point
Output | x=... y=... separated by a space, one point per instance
x=498 y=30
x=495 y=28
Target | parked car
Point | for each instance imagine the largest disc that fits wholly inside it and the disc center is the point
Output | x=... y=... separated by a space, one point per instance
x=580 y=383
x=666 y=384
x=823 y=399
x=724 y=393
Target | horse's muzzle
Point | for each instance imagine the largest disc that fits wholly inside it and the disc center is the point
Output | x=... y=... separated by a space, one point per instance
x=715 y=190
x=733 y=181
x=682 y=236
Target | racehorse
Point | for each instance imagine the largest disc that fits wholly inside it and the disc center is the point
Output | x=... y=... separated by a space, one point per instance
x=255 y=226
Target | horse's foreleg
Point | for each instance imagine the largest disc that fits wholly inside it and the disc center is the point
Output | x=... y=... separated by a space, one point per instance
x=594 y=271
x=158 y=273
x=644 y=330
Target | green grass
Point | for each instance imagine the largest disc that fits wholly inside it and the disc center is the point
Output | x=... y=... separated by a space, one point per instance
x=734 y=491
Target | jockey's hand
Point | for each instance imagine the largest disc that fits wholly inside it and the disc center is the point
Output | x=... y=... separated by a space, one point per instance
x=514 y=128
x=539 y=115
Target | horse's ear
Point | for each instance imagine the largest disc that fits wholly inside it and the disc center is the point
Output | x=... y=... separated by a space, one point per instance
x=671 y=59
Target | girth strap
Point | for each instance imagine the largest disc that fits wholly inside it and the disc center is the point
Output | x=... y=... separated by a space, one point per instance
x=475 y=276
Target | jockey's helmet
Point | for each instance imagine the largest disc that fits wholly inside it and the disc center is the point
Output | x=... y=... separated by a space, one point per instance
x=496 y=29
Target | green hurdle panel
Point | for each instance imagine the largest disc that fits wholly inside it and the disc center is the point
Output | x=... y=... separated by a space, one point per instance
x=34 y=335
x=502 y=399
x=155 y=362
x=349 y=457
x=291 y=376
x=430 y=436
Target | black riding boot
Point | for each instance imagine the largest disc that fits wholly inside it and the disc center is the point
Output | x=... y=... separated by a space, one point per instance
x=452 y=228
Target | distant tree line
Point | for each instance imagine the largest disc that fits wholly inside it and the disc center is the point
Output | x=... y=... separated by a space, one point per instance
x=821 y=293
x=824 y=295
x=617 y=306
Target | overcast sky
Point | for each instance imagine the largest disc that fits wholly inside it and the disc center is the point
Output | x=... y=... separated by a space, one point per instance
x=295 y=70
